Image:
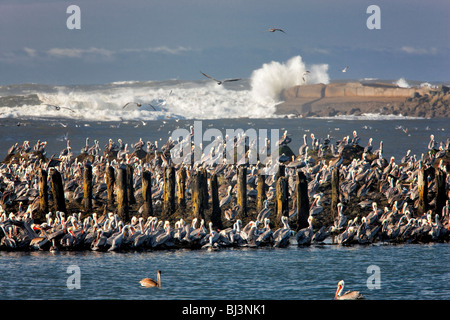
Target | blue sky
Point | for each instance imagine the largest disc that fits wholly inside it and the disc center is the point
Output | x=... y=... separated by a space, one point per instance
x=175 y=39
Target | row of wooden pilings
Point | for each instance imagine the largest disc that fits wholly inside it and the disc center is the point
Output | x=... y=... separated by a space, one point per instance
x=120 y=182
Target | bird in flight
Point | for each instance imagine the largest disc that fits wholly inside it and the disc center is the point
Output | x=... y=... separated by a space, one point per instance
x=345 y=69
x=275 y=29
x=305 y=74
x=219 y=82
x=138 y=105
x=57 y=108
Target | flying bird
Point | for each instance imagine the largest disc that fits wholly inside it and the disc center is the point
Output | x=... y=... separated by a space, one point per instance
x=275 y=29
x=138 y=105
x=58 y=107
x=345 y=69
x=219 y=82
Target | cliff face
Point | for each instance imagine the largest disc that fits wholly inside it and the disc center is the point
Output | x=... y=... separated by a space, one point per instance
x=357 y=98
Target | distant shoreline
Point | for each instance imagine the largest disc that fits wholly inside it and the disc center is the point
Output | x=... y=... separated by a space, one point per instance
x=356 y=98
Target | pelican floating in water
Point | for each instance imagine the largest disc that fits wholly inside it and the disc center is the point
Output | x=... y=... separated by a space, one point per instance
x=349 y=295
x=150 y=283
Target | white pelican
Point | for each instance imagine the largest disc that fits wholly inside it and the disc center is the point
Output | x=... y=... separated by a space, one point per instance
x=349 y=295
x=150 y=283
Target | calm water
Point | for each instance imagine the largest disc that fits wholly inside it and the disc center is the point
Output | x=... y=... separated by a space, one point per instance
x=407 y=272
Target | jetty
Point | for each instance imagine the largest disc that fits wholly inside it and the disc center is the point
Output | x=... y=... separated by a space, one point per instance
x=334 y=192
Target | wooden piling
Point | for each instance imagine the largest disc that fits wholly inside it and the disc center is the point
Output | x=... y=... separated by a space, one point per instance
x=422 y=186
x=205 y=188
x=182 y=188
x=441 y=197
x=87 y=188
x=281 y=172
x=282 y=198
x=122 y=194
x=302 y=201
x=334 y=191
x=43 y=192
x=130 y=185
x=59 y=203
x=242 y=192
x=110 y=180
x=261 y=189
x=147 y=194
x=169 y=190
x=197 y=193
x=216 y=212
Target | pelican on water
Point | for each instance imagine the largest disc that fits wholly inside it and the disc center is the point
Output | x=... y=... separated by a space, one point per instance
x=349 y=295
x=150 y=283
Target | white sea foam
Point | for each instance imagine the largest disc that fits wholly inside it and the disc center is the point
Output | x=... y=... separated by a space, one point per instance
x=402 y=83
x=253 y=98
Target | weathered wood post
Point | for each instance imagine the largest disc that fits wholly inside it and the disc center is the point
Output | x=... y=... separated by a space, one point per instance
x=169 y=190
x=110 y=179
x=302 y=201
x=59 y=202
x=281 y=172
x=440 y=178
x=334 y=191
x=261 y=189
x=198 y=209
x=122 y=194
x=242 y=191
x=205 y=188
x=422 y=186
x=87 y=188
x=147 y=194
x=130 y=185
x=43 y=191
x=182 y=188
x=282 y=200
x=216 y=213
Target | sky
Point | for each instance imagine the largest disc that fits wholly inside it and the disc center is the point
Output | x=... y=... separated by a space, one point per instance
x=141 y=40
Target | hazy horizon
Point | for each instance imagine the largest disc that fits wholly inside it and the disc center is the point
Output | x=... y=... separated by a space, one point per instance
x=160 y=40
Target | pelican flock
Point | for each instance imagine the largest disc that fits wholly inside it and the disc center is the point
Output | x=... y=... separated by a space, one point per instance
x=378 y=200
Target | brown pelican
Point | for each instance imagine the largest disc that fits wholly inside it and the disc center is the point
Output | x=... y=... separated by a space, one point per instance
x=275 y=29
x=150 y=283
x=227 y=199
x=264 y=213
x=316 y=208
x=305 y=235
x=349 y=295
x=219 y=82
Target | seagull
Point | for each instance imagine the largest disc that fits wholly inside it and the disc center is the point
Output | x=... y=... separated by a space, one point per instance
x=275 y=29
x=345 y=69
x=219 y=82
x=305 y=74
x=58 y=107
x=138 y=105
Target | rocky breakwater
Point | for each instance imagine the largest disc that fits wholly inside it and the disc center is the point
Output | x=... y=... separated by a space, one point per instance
x=355 y=98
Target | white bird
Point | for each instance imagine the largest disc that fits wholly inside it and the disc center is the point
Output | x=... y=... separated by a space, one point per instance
x=227 y=199
x=345 y=69
x=219 y=82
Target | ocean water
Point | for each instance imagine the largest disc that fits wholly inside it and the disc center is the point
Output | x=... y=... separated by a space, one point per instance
x=406 y=272
x=60 y=114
